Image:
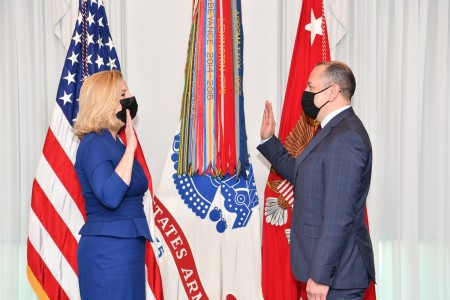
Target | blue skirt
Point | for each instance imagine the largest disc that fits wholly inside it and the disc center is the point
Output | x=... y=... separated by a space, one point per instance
x=111 y=267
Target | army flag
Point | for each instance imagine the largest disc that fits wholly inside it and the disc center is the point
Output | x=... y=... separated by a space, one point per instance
x=206 y=208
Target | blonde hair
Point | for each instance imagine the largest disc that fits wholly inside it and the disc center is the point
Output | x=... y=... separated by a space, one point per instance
x=99 y=98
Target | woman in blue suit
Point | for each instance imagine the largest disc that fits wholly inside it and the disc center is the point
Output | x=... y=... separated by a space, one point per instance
x=111 y=251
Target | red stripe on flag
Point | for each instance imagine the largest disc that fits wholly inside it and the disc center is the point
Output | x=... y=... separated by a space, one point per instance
x=286 y=190
x=55 y=225
x=153 y=272
x=285 y=187
x=64 y=170
x=43 y=274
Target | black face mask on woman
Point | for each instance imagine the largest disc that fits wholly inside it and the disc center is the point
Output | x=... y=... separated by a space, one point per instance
x=309 y=108
x=131 y=105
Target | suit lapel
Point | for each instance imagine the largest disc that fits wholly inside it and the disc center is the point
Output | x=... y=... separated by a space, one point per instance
x=324 y=133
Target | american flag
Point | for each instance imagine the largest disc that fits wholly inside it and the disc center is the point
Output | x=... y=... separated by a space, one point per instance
x=57 y=206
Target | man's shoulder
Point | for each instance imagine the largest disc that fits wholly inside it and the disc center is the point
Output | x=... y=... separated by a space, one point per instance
x=351 y=131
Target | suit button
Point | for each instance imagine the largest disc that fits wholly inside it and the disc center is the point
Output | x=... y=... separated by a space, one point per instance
x=333 y=272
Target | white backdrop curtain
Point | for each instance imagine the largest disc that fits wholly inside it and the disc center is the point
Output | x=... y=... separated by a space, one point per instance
x=399 y=51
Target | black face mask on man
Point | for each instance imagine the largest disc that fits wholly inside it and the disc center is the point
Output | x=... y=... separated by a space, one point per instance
x=131 y=105
x=309 y=108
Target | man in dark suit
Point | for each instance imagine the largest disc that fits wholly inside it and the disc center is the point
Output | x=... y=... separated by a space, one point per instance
x=331 y=250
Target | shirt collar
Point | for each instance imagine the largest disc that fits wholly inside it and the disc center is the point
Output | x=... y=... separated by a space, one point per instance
x=332 y=115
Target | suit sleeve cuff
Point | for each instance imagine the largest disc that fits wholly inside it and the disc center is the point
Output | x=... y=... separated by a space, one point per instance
x=324 y=274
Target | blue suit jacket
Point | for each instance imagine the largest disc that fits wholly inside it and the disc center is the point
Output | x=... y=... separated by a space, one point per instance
x=113 y=208
x=330 y=241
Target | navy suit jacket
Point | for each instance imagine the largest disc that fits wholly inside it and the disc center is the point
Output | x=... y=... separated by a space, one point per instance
x=330 y=241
